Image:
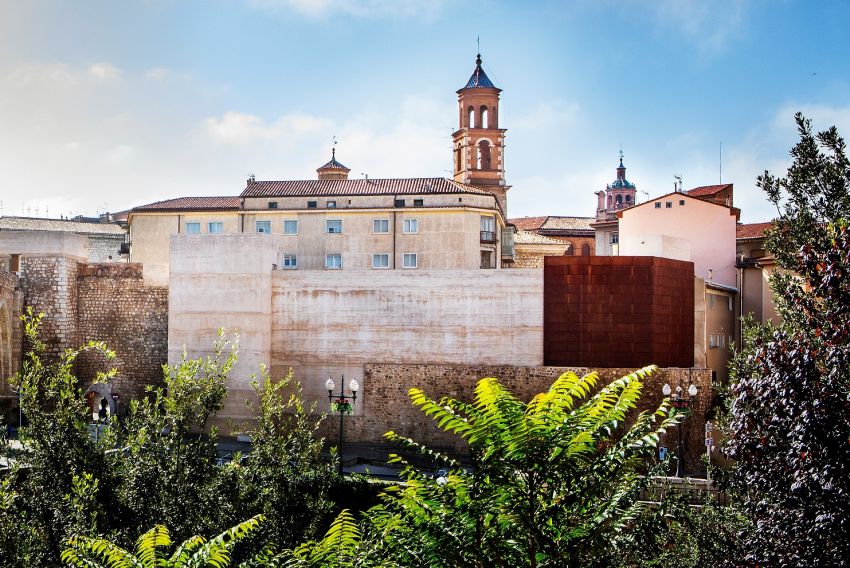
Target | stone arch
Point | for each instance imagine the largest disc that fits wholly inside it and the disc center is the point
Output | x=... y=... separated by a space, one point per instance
x=103 y=390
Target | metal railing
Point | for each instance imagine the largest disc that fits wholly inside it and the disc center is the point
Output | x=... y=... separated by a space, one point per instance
x=488 y=236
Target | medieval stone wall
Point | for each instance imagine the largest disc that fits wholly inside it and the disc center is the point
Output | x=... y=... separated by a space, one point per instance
x=115 y=306
x=10 y=329
x=385 y=405
x=102 y=302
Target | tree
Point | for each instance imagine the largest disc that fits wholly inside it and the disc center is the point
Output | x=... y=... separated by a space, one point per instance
x=552 y=483
x=790 y=415
x=151 y=550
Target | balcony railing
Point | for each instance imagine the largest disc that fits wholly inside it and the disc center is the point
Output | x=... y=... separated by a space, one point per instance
x=488 y=237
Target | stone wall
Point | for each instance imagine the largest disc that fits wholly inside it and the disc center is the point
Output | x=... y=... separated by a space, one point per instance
x=385 y=405
x=104 y=248
x=115 y=306
x=103 y=302
x=622 y=311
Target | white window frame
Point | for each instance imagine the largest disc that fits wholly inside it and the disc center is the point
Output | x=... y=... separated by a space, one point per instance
x=219 y=224
x=193 y=224
x=266 y=224
x=285 y=221
x=406 y=224
x=328 y=226
x=405 y=256
x=328 y=258
x=385 y=222
x=293 y=265
x=488 y=224
x=381 y=266
x=330 y=204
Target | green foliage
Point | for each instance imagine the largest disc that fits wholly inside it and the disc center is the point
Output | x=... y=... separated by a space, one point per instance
x=284 y=476
x=789 y=424
x=552 y=480
x=151 y=550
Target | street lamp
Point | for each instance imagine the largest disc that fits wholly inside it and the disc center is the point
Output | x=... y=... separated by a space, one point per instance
x=340 y=404
x=682 y=404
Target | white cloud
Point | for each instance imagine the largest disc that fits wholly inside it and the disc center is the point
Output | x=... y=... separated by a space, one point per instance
x=547 y=114
x=104 y=70
x=239 y=128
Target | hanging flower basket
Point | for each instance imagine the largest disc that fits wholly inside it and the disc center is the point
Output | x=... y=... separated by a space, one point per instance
x=341 y=405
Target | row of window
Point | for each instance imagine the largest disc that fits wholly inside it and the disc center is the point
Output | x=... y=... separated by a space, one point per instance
x=334 y=261
x=213 y=227
x=334 y=226
x=331 y=204
x=718 y=341
x=668 y=204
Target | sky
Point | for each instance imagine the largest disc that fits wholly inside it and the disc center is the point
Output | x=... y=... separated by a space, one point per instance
x=106 y=105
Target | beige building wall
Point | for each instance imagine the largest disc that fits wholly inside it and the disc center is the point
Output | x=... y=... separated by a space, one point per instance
x=150 y=233
x=329 y=323
x=39 y=243
x=714 y=327
x=709 y=228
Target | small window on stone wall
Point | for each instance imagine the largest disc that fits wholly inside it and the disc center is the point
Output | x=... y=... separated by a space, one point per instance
x=585 y=249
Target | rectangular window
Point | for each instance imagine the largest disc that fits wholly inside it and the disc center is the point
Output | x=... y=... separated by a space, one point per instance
x=381 y=226
x=331 y=204
x=290 y=262
x=264 y=227
x=681 y=202
x=658 y=205
x=272 y=204
x=380 y=260
x=15 y=263
x=488 y=229
x=193 y=228
x=411 y=226
x=399 y=202
x=711 y=343
x=333 y=261
x=409 y=260
x=418 y=202
x=334 y=226
x=312 y=204
x=487 y=259
x=615 y=238
x=215 y=227
x=290 y=227
x=669 y=204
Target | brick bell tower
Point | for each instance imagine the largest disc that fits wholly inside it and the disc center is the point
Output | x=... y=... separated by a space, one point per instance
x=479 y=143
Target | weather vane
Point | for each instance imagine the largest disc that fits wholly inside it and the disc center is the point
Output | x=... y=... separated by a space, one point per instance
x=478 y=42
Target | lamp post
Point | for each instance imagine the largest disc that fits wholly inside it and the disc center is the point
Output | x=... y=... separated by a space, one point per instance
x=340 y=403
x=682 y=404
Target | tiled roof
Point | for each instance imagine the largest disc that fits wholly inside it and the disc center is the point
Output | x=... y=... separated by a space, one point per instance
x=568 y=223
x=333 y=164
x=479 y=77
x=345 y=187
x=34 y=224
x=706 y=190
x=553 y=224
x=528 y=223
x=528 y=238
x=752 y=230
x=222 y=203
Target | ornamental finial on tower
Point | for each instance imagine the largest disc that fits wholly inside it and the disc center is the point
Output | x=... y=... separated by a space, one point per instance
x=479 y=78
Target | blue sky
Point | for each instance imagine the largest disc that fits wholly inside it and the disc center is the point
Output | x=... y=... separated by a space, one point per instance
x=112 y=104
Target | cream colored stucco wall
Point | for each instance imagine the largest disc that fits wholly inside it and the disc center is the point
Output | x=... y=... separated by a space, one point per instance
x=150 y=233
x=662 y=246
x=324 y=323
x=709 y=228
x=53 y=243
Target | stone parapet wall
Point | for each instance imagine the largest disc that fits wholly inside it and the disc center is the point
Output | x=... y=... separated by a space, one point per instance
x=11 y=299
x=385 y=405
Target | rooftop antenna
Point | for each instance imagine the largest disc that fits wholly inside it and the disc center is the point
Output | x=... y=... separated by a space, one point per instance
x=478 y=43
x=720 y=180
x=677 y=185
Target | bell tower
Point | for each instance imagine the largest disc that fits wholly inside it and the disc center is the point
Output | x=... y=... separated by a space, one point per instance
x=479 y=142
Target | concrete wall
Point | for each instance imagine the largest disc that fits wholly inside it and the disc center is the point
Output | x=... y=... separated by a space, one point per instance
x=618 y=311
x=709 y=228
x=51 y=243
x=329 y=323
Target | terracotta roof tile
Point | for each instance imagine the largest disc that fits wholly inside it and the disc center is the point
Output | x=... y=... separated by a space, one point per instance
x=345 y=187
x=81 y=227
x=707 y=190
x=752 y=230
x=528 y=238
x=528 y=223
x=222 y=203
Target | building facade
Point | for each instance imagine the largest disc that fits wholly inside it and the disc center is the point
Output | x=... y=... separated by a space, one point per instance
x=617 y=196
